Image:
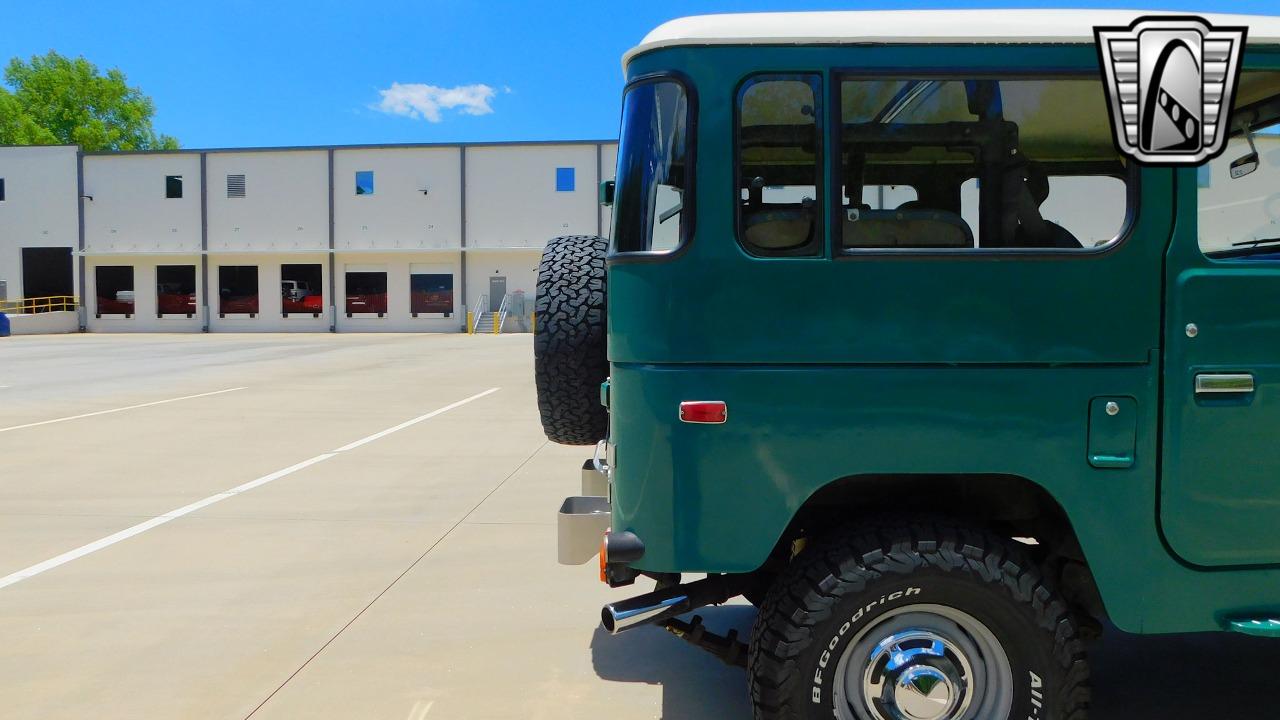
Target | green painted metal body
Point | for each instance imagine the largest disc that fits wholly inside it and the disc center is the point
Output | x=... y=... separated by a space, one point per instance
x=969 y=362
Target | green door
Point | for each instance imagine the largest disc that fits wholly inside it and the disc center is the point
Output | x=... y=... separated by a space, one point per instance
x=1220 y=480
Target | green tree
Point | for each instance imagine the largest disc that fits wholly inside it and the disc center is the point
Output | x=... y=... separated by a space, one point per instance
x=56 y=99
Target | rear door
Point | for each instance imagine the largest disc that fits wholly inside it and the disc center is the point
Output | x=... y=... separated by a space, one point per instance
x=1220 y=487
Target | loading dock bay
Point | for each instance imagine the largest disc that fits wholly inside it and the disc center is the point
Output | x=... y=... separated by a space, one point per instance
x=340 y=526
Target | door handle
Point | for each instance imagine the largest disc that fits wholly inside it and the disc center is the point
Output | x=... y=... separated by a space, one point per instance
x=1220 y=383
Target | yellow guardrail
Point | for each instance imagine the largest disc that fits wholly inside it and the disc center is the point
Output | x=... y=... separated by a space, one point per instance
x=28 y=306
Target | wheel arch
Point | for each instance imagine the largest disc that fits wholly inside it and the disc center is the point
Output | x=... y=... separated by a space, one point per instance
x=1013 y=505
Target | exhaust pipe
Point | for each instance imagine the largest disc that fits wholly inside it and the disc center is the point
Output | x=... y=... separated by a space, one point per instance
x=661 y=605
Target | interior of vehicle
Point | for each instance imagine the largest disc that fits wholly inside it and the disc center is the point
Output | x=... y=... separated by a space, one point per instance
x=987 y=163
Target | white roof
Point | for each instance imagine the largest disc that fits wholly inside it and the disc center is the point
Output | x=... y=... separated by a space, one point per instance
x=917 y=26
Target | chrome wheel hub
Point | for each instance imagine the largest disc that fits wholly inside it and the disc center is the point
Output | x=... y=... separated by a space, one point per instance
x=923 y=662
x=917 y=675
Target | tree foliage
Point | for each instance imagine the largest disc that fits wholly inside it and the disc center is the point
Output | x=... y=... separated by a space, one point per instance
x=56 y=99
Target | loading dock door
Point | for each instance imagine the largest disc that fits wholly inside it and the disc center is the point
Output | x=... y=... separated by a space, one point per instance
x=46 y=271
x=497 y=291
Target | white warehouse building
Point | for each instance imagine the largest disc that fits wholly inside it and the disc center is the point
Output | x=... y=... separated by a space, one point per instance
x=396 y=238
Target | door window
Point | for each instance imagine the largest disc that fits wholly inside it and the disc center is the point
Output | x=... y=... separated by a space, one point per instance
x=779 y=152
x=1239 y=191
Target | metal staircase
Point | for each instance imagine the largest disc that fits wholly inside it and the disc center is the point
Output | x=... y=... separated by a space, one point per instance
x=487 y=322
x=484 y=324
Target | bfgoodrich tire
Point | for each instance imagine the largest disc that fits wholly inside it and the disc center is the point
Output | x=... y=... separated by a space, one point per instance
x=916 y=620
x=569 y=360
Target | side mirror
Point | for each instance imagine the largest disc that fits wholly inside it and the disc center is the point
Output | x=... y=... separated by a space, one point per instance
x=1249 y=163
x=607 y=189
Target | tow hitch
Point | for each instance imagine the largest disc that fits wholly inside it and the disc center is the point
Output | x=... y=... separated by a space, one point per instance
x=662 y=606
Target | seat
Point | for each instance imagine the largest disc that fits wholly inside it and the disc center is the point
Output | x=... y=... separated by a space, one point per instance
x=778 y=228
x=911 y=228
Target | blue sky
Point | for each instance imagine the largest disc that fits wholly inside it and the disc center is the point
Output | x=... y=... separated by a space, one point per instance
x=267 y=73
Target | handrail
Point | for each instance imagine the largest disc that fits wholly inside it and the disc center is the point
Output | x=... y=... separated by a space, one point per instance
x=501 y=315
x=49 y=303
x=477 y=312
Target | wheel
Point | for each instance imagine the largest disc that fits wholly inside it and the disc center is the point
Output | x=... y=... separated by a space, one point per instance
x=919 y=621
x=569 y=360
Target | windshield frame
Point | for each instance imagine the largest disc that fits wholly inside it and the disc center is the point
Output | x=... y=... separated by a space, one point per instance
x=688 y=203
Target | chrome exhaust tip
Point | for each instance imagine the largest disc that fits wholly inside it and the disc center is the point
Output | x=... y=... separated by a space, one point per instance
x=661 y=605
x=643 y=610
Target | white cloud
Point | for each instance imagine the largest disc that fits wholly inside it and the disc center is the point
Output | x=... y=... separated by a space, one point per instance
x=420 y=101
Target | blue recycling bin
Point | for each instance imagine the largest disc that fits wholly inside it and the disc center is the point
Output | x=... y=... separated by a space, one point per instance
x=4 y=325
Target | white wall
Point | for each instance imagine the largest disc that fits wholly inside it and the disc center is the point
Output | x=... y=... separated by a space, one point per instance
x=144 y=292
x=50 y=323
x=286 y=202
x=130 y=213
x=512 y=199
x=520 y=267
x=398 y=266
x=608 y=171
x=40 y=206
x=398 y=215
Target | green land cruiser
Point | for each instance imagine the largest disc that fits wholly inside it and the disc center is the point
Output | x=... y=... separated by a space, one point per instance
x=891 y=338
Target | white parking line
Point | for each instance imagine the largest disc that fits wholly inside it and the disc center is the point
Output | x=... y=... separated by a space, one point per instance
x=159 y=520
x=116 y=410
x=415 y=421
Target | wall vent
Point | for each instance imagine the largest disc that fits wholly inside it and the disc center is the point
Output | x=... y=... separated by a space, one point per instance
x=235 y=186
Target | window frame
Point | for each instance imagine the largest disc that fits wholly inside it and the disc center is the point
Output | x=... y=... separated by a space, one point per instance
x=822 y=129
x=168 y=186
x=1241 y=257
x=689 y=203
x=1132 y=177
x=571 y=175
x=373 y=188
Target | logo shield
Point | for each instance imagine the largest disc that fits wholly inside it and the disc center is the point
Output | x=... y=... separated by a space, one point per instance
x=1171 y=82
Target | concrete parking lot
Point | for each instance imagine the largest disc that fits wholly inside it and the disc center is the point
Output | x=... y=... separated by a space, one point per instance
x=340 y=526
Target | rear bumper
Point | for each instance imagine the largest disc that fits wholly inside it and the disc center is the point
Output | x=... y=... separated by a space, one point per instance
x=580 y=525
x=584 y=519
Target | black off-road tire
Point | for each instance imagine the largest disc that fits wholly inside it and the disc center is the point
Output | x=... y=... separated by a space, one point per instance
x=841 y=584
x=569 y=354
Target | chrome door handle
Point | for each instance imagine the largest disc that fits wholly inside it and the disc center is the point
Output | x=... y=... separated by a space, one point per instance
x=1218 y=383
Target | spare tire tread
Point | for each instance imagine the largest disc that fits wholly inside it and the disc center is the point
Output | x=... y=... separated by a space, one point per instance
x=569 y=351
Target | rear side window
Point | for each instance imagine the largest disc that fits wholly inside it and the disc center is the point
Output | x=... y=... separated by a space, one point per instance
x=652 y=198
x=992 y=164
x=779 y=149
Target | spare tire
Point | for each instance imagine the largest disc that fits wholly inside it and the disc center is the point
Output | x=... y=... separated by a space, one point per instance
x=569 y=360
